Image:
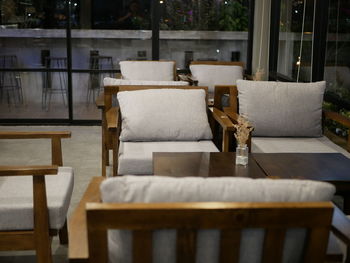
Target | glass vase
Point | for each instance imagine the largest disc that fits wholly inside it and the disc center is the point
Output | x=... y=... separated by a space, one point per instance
x=242 y=154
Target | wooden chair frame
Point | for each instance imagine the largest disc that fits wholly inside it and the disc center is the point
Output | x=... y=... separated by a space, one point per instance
x=100 y=103
x=230 y=218
x=78 y=233
x=38 y=239
x=232 y=111
x=112 y=122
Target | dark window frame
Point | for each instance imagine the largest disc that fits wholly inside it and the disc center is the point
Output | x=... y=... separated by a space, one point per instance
x=155 y=19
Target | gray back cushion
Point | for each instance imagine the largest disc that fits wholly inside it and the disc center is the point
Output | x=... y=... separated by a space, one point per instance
x=150 y=189
x=278 y=109
x=164 y=115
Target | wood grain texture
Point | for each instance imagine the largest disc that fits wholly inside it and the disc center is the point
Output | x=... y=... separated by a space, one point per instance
x=222 y=119
x=187 y=218
x=142 y=246
x=39 y=170
x=273 y=245
x=78 y=243
x=112 y=118
x=230 y=240
x=203 y=164
x=337 y=117
x=18 y=240
x=41 y=221
x=100 y=101
x=33 y=135
x=56 y=151
x=186 y=246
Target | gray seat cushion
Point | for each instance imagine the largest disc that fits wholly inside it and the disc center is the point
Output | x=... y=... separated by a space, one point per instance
x=136 y=157
x=16 y=200
x=154 y=189
x=294 y=145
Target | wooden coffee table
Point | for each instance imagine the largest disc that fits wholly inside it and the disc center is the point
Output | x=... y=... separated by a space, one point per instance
x=203 y=164
x=329 y=167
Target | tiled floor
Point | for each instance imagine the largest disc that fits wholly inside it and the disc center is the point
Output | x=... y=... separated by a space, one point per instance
x=82 y=152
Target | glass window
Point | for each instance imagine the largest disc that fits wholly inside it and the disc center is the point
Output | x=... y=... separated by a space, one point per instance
x=295 y=39
x=33 y=62
x=203 y=30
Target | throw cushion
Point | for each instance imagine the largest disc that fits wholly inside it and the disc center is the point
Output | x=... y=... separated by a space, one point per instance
x=164 y=115
x=282 y=108
x=149 y=189
x=147 y=70
x=211 y=75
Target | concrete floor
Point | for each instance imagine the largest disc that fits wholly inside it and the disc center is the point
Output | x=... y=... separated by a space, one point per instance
x=82 y=152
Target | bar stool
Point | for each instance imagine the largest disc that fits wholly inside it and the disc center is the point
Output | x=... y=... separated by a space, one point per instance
x=48 y=77
x=96 y=78
x=10 y=81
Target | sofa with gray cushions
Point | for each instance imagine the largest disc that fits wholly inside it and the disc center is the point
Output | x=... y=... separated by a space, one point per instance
x=156 y=189
x=287 y=117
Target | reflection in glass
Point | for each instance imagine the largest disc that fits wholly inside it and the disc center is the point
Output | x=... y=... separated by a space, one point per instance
x=222 y=15
x=295 y=39
x=134 y=14
x=27 y=101
x=37 y=14
x=203 y=30
x=337 y=69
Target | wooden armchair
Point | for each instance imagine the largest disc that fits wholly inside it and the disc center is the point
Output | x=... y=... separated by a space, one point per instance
x=30 y=226
x=230 y=218
x=88 y=240
x=233 y=113
x=113 y=122
x=135 y=73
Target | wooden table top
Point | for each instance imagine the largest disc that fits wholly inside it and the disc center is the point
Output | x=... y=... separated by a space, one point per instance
x=329 y=167
x=203 y=164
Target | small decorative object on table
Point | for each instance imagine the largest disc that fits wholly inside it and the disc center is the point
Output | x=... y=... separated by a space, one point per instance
x=243 y=129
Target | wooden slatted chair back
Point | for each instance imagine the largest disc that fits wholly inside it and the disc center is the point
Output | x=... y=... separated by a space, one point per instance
x=229 y=218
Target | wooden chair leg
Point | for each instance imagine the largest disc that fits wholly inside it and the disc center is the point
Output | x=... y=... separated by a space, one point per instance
x=63 y=234
x=115 y=156
x=41 y=221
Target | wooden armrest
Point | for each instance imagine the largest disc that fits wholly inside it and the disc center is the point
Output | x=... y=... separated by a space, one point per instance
x=231 y=114
x=222 y=119
x=335 y=116
x=341 y=226
x=39 y=170
x=78 y=241
x=112 y=116
x=100 y=101
x=34 y=135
